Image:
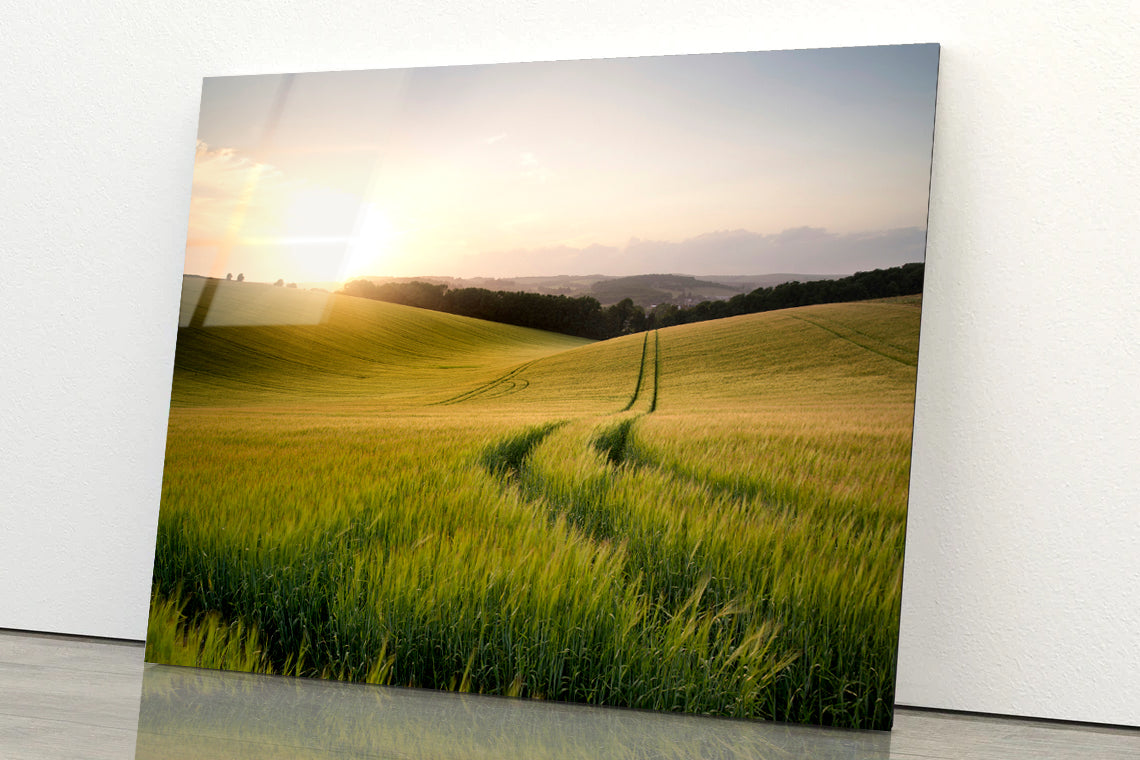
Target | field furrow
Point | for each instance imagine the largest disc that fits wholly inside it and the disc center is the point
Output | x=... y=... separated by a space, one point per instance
x=863 y=340
x=500 y=386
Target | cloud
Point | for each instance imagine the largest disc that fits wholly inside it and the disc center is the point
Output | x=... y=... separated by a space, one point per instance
x=800 y=250
x=533 y=169
x=550 y=260
x=230 y=193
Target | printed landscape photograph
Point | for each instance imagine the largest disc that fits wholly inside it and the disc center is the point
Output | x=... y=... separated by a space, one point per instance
x=582 y=381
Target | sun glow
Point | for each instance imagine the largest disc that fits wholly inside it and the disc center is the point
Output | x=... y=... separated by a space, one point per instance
x=319 y=234
x=370 y=246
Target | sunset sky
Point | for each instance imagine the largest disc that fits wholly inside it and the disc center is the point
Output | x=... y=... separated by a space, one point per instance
x=743 y=163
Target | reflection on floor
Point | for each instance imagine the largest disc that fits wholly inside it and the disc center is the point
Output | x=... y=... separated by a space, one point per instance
x=63 y=697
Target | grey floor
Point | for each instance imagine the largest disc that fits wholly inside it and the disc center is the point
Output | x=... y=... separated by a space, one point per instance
x=63 y=697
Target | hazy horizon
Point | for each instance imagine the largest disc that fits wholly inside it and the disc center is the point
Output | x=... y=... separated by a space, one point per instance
x=712 y=277
x=805 y=162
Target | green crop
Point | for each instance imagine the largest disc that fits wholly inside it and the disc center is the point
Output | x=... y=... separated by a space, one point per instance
x=706 y=518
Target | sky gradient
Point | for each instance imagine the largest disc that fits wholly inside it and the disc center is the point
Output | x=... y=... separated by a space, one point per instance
x=745 y=163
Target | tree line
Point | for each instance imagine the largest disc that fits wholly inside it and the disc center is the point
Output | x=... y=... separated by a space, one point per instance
x=280 y=283
x=582 y=316
x=902 y=280
x=585 y=317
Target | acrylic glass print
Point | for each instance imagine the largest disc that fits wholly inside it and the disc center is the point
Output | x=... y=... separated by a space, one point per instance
x=589 y=381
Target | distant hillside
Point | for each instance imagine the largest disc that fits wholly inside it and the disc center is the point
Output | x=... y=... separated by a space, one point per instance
x=744 y=283
x=555 y=285
x=644 y=290
x=584 y=316
x=648 y=290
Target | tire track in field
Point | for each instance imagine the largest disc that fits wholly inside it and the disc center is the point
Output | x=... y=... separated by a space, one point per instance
x=511 y=458
x=593 y=503
x=874 y=339
x=646 y=376
x=511 y=455
x=593 y=506
x=506 y=389
x=656 y=370
x=640 y=375
x=618 y=444
x=863 y=346
x=504 y=385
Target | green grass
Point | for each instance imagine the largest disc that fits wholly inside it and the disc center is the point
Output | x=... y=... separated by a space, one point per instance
x=706 y=518
x=205 y=643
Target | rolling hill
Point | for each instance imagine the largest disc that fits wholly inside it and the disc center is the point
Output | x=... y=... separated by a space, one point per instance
x=262 y=343
x=317 y=345
x=609 y=289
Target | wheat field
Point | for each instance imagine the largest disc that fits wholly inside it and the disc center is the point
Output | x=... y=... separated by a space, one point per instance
x=705 y=518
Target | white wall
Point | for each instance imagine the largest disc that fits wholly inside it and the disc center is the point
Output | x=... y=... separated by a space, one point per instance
x=1022 y=588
